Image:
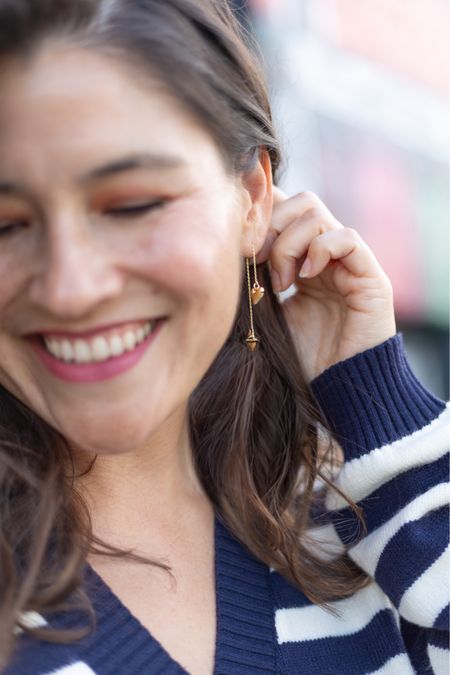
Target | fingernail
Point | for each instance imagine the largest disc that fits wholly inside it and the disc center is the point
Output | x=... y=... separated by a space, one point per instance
x=276 y=281
x=306 y=268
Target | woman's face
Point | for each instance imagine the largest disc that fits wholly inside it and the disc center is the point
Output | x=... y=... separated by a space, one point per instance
x=116 y=218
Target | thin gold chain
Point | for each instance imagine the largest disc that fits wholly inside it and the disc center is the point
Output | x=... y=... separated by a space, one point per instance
x=256 y=284
x=250 y=297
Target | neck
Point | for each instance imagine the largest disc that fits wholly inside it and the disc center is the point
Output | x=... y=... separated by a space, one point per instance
x=153 y=489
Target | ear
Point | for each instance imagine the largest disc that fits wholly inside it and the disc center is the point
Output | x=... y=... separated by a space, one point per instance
x=258 y=202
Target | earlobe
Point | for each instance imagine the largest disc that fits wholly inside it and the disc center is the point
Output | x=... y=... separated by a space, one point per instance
x=257 y=183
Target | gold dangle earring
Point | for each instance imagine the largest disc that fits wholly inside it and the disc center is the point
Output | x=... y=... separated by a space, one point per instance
x=255 y=294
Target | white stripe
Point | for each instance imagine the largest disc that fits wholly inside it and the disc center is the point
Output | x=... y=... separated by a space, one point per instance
x=359 y=477
x=325 y=541
x=30 y=620
x=439 y=659
x=313 y=622
x=368 y=551
x=398 y=665
x=78 y=668
x=422 y=602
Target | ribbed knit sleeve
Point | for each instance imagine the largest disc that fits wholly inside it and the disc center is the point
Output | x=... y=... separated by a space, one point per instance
x=395 y=435
x=374 y=398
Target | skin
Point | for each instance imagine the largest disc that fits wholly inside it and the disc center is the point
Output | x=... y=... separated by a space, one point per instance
x=69 y=264
x=74 y=266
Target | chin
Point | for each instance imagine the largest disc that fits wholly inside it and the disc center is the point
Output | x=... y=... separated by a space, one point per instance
x=110 y=433
x=110 y=421
x=108 y=441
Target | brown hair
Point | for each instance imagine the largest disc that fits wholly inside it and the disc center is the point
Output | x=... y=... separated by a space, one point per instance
x=254 y=422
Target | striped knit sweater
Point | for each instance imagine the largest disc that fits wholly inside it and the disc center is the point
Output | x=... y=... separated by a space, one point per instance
x=395 y=437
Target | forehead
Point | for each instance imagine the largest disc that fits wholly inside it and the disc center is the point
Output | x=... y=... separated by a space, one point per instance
x=73 y=101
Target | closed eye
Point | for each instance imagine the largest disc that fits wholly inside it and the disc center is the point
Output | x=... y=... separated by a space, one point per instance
x=134 y=210
x=10 y=227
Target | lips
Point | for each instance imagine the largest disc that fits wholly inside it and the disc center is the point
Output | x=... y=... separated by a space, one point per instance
x=97 y=347
x=95 y=355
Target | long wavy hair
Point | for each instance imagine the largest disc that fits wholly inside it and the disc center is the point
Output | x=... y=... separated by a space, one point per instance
x=261 y=443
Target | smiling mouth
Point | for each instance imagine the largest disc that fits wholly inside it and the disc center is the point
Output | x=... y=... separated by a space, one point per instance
x=100 y=347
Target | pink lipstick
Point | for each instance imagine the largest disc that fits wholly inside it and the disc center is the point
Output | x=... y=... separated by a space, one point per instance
x=108 y=367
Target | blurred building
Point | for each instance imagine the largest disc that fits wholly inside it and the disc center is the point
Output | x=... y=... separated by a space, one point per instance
x=360 y=93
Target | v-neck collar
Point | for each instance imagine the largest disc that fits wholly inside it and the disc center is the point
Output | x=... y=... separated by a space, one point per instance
x=245 y=629
x=245 y=638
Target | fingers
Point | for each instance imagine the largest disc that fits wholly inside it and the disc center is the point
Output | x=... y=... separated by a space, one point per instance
x=292 y=244
x=304 y=231
x=278 y=195
x=287 y=210
x=343 y=244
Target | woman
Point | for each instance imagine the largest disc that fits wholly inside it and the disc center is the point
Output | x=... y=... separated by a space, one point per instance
x=169 y=501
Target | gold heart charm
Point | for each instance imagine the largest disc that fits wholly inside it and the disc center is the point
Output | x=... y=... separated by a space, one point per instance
x=257 y=294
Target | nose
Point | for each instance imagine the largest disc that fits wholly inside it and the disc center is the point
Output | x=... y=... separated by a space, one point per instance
x=75 y=275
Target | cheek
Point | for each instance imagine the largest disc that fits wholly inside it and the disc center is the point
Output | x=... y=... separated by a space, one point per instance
x=188 y=254
x=12 y=292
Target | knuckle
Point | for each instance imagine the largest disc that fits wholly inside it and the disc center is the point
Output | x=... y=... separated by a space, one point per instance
x=352 y=233
x=316 y=243
x=277 y=248
x=315 y=212
x=307 y=195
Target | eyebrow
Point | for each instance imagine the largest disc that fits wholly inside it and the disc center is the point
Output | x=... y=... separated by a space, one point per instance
x=129 y=163
x=132 y=162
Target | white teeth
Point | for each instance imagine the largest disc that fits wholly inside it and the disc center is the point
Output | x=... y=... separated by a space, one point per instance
x=116 y=345
x=54 y=347
x=82 y=352
x=129 y=340
x=66 y=350
x=98 y=348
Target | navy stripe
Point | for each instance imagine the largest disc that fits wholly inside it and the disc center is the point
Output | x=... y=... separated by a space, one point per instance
x=416 y=642
x=439 y=638
x=38 y=658
x=381 y=504
x=442 y=621
x=286 y=595
x=355 y=654
x=411 y=551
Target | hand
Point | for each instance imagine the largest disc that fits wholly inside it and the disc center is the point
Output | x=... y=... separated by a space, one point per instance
x=345 y=303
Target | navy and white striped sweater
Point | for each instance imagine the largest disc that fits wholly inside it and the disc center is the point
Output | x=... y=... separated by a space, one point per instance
x=395 y=437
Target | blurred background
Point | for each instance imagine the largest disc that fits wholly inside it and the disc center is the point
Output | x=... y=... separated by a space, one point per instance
x=360 y=92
